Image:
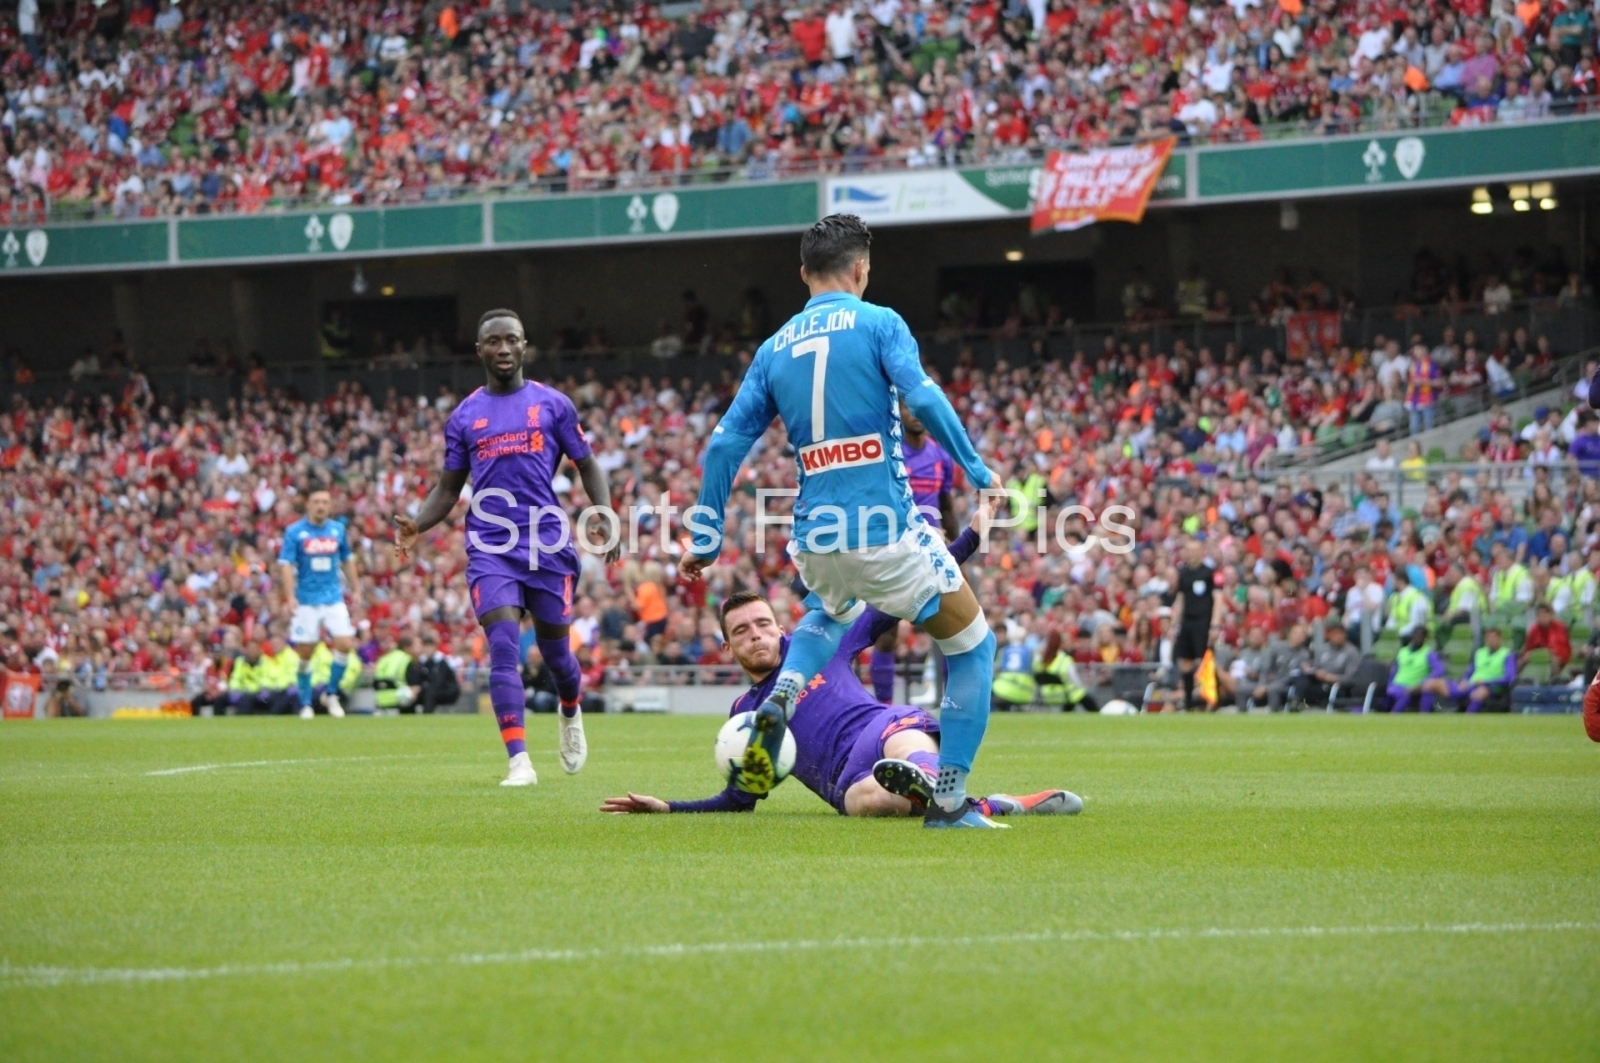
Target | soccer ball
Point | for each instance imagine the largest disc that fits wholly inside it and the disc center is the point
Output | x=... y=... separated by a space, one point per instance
x=1118 y=708
x=734 y=738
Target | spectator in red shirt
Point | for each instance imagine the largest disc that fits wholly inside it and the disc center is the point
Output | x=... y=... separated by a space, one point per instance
x=1547 y=633
x=811 y=34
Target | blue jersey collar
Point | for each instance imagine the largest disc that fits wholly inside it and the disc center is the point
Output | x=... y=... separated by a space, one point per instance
x=815 y=299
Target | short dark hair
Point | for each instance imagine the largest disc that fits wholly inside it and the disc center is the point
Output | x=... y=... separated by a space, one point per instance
x=490 y=315
x=833 y=244
x=738 y=600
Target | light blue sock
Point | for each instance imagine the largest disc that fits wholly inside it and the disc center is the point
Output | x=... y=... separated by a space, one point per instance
x=303 y=683
x=336 y=674
x=810 y=648
x=963 y=718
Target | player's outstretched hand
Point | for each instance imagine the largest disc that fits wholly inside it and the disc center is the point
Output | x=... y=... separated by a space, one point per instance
x=691 y=567
x=405 y=536
x=983 y=512
x=634 y=804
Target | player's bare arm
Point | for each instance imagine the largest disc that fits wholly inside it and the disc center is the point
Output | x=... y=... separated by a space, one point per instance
x=947 y=516
x=435 y=508
x=598 y=488
x=634 y=804
x=286 y=570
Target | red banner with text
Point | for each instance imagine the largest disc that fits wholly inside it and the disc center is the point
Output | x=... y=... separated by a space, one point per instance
x=1310 y=330
x=17 y=693
x=1079 y=188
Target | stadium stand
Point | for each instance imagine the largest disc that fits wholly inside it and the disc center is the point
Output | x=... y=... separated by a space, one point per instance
x=137 y=543
x=144 y=108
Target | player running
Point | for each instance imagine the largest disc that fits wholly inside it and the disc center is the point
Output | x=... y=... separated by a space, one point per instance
x=862 y=757
x=510 y=436
x=315 y=550
x=933 y=475
x=836 y=374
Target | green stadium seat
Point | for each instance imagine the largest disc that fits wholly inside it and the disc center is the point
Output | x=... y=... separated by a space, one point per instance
x=1353 y=434
x=1537 y=670
x=1386 y=647
x=1436 y=456
x=1580 y=634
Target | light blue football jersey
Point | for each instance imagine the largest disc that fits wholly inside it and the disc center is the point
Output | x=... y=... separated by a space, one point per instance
x=315 y=551
x=835 y=374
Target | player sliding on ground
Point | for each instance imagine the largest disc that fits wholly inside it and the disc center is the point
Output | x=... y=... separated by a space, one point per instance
x=315 y=550
x=836 y=374
x=862 y=757
x=510 y=436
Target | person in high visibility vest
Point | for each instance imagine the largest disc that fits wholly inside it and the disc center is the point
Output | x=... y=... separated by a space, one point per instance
x=1058 y=681
x=1410 y=611
x=1466 y=594
x=242 y=692
x=244 y=682
x=1417 y=671
x=279 y=675
x=1489 y=678
x=1014 y=685
x=1583 y=587
x=1026 y=496
x=322 y=672
x=1558 y=593
x=389 y=677
x=1510 y=586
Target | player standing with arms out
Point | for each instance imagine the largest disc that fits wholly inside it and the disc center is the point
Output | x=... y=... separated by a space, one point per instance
x=1193 y=610
x=510 y=436
x=315 y=549
x=933 y=474
x=836 y=374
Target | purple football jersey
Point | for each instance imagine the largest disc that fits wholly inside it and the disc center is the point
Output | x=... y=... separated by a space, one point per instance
x=512 y=445
x=932 y=473
x=830 y=713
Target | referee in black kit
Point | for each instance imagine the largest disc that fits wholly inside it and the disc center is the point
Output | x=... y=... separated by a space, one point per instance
x=1192 y=610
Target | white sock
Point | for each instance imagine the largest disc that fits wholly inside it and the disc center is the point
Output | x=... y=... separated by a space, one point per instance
x=950 y=792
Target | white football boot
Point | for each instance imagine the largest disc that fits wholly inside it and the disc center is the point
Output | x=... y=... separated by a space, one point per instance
x=332 y=704
x=574 y=747
x=521 y=772
x=307 y=712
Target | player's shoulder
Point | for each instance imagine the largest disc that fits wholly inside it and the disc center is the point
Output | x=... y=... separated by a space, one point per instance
x=554 y=396
x=465 y=408
x=877 y=313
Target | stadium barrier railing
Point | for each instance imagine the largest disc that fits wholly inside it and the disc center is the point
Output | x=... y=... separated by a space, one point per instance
x=1568 y=329
x=622 y=682
x=1433 y=112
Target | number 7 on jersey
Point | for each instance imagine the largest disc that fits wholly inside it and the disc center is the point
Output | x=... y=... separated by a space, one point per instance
x=819 y=382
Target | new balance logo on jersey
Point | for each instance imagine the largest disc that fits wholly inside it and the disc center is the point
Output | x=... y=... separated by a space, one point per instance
x=842 y=453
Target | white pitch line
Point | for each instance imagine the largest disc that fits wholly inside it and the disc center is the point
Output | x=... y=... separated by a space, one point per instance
x=268 y=763
x=20 y=976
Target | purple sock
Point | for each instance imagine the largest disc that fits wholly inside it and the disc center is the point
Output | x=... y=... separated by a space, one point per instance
x=928 y=762
x=564 y=670
x=505 y=684
x=883 y=676
x=1426 y=702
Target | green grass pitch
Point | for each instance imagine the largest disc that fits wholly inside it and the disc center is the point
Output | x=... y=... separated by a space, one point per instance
x=1295 y=888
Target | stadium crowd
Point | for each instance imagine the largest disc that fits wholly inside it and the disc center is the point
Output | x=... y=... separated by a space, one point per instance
x=136 y=537
x=141 y=107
